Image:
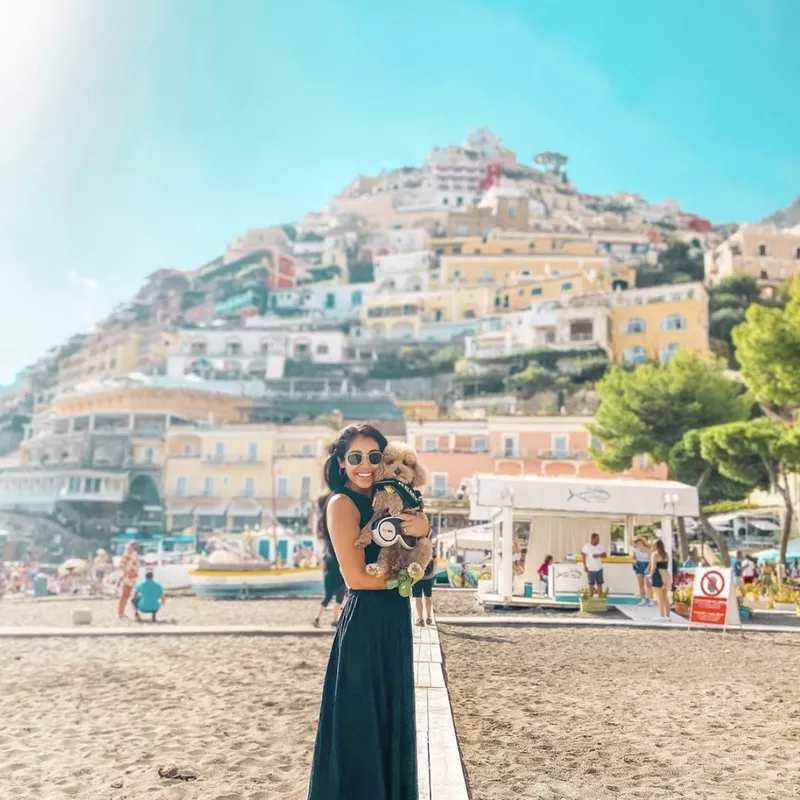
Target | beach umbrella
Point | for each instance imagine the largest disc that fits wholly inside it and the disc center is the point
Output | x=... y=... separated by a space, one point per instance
x=72 y=565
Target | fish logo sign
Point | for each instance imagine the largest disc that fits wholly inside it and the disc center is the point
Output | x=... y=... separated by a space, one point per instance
x=590 y=496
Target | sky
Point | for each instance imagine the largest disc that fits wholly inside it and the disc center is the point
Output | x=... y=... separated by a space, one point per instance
x=140 y=134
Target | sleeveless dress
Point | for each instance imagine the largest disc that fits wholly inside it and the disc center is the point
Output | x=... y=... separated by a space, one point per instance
x=366 y=740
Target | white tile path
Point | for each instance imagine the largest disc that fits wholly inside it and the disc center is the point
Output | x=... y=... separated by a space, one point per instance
x=441 y=775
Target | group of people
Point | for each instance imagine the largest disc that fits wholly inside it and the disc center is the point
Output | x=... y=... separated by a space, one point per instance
x=147 y=596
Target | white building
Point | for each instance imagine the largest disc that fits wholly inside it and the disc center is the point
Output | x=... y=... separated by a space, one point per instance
x=229 y=354
x=408 y=272
x=569 y=324
x=305 y=340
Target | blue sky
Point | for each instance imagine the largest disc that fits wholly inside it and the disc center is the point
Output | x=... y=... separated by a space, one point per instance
x=139 y=134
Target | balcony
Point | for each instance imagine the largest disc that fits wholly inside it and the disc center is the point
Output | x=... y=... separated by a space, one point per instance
x=229 y=460
x=564 y=455
x=512 y=453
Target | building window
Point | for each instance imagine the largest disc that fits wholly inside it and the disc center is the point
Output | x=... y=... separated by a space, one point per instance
x=148 y=456
x=459 y=201
x=509 y=251
x=674 y=322
x=634 y=355
x=565 y=287
x=208 y=487
x=581 y=330
x=219 y=451
x=322 y=349
x=444 y=201
x=282 y=487
x=634 y=325
x=457 y=274
x=560 y=446
x=506 y=301
x=439 y=484
x=181 y=486
x=457 y=250
x=668 y=352
x=252 y=451
x=307 y=449
x=188 y=450
x=197 y=348
x=486 y=276
x=762 y=250
x=512 y=212
x=480 y=444
x=233 y=348
x=249 y=487
x=797 y=253
x=356 y=299
x=305 y=487
x=509 y=446
x=461 y=230
x=536 y=290
x=431 y=445
x=330 y=300
x=264 y=349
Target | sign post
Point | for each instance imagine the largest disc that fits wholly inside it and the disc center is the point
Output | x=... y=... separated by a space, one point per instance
x=714 y=598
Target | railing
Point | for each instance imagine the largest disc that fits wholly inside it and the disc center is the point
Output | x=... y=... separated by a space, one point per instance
x=510 y=453
x=564 y=455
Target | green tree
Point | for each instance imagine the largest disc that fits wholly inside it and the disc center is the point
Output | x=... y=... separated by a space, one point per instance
x=761 y=453
x=768 y=349
x=651 y=408
x=743 y=287
x=686 y=464
x=722 y=323
x=534 y=378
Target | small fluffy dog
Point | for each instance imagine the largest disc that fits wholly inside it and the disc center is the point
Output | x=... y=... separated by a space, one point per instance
x=399 y=475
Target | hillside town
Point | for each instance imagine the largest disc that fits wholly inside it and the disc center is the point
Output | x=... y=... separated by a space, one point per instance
x=469 y=304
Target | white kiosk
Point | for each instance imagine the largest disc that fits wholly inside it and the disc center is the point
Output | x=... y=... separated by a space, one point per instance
x=556 y=516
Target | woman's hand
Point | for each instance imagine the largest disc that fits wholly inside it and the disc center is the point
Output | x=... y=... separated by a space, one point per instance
x=415 y=525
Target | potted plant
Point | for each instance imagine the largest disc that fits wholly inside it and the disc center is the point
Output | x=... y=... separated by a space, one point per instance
x=682 y=598
x=592 y=604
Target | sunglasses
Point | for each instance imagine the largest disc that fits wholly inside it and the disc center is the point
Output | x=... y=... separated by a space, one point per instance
x=354 y=459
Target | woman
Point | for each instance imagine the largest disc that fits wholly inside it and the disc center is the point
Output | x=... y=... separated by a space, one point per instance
x=333 y=580
x=641 y=561
x=366 y=740
x=660 y=579
x=544 y=573
x=130 y=575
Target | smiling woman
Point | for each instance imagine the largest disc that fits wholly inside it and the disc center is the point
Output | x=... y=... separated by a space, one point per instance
x=366 y=746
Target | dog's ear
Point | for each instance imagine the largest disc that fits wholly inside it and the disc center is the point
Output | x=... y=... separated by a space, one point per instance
x=420 y=474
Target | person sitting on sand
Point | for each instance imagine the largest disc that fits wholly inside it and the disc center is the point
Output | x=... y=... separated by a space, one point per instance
x=148 y=597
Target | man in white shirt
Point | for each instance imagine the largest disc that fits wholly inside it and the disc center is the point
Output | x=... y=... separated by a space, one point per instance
x=593 y=555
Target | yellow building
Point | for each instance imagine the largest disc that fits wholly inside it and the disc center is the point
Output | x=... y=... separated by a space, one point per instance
x=654 y=323
x=505 y=243
x=228 y=477
x=397 y=315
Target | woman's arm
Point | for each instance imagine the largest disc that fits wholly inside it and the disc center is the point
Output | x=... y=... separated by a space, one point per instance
x=344 y=525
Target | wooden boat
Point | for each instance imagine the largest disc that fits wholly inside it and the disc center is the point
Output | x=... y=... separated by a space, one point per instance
x=245 y=580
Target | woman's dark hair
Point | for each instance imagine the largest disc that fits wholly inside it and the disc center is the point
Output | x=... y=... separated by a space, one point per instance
x=548 y=559
x=662 y=551
x=332 y=473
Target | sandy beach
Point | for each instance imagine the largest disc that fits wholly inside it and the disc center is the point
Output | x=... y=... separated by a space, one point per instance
x=611 y=714
x=80 y=717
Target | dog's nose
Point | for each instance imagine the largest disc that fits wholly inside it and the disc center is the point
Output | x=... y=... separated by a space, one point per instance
x=398 y=472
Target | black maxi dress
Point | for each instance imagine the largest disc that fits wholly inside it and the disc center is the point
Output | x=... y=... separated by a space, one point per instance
x=366 y=740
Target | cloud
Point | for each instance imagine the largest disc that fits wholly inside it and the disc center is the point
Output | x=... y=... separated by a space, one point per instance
x=89 y=284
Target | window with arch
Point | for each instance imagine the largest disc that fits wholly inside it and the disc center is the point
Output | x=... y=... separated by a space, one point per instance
x=674 y=322
x=634 y=325
x=668 y=352
x=233 y=347
x=634 y=355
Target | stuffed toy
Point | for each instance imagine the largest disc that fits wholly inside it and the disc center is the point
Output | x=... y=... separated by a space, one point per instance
x=395 y=491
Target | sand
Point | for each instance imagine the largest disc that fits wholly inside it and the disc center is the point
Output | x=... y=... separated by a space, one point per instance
x=622 y=714
x=77 y=716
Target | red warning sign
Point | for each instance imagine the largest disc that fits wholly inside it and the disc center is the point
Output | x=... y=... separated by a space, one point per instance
x=713 y=601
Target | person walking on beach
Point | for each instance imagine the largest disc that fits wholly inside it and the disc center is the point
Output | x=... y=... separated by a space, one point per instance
x=424 y=588
x=130 y=574
x=366 y=738
x=660 y=579
x=332 y=576
x=593 y=555
x=641 y=561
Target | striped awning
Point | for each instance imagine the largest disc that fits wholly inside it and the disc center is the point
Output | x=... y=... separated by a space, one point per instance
x=211 y=511
x=180 y=509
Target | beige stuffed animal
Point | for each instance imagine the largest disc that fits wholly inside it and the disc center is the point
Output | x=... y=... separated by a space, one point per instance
x=400 y=463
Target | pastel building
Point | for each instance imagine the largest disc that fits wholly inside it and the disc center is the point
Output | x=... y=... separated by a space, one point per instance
x=226 y=478
x=770 y=255
x=455 y=450
x=654 y=323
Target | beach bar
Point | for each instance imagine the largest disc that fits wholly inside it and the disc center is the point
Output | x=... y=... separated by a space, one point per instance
x=556 y=516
